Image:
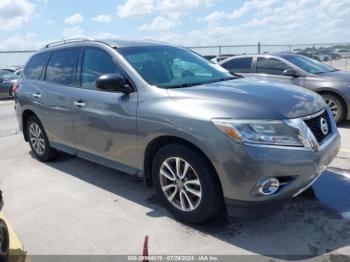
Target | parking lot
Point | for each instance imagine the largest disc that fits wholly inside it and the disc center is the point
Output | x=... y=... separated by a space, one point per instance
x=73 y=206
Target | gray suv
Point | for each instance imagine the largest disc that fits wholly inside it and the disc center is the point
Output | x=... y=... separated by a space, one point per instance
x=203 y=138
x=332 y=84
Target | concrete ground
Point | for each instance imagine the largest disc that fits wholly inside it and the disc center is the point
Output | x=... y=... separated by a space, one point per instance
x=73 y=206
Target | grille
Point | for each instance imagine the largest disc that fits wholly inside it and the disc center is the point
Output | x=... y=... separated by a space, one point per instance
x=315 y=125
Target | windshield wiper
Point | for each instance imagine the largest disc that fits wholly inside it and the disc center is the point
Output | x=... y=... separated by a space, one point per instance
x=187 y=85
x=203 y=83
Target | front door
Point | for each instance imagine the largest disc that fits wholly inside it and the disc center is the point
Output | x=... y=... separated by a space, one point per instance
x=104 y=122
x=271 y=69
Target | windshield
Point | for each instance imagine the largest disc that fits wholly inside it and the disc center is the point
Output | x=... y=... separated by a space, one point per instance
x=172 y=67
x=6 y=75
x=309 y=65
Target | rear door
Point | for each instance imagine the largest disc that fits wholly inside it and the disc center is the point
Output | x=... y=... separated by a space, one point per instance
x=271 y=69
x=104 y=122
x=240 y=65
x=56 y=96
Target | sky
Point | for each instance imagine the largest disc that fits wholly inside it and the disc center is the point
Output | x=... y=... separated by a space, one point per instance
x=29 y=24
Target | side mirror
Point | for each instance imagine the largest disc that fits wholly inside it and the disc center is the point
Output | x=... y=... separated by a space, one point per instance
x=291 y=72
x=113 y=83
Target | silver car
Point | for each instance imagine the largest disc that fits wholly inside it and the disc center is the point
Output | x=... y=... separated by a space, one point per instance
x=332 y=84
x=204 y=139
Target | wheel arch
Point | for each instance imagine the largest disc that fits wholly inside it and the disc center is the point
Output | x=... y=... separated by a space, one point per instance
x=25 y=116
x=158 y=142
x=341 y=97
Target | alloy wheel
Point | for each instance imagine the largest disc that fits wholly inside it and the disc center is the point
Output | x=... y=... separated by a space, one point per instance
x=36 y=138
x=180 y=184
x=333 y=106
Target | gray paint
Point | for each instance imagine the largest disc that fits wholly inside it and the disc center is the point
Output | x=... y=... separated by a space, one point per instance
x=115 y=129
x=337 y=82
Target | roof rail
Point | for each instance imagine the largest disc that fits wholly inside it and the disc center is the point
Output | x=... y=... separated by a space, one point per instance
x=66 y=41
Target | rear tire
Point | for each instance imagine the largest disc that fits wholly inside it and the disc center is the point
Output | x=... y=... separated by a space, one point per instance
x=38 y=140
x=4 y=241
x=197 y=191
x=336 y=106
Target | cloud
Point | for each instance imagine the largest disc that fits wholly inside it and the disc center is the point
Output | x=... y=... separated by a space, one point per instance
x=15 y=13
x=247 y=6
x=102 y=18
x=171 y=8
x=132 y=8
x=72 y=32
x=271 y=22
x=28 y=41
x=77 y=32
x=74 y=19
x=158 y=24
x=105 y=35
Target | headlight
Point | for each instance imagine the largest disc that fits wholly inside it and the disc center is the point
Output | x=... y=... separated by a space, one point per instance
x=269 y=132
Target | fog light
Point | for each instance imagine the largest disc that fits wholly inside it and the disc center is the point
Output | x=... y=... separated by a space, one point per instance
x=268 y=186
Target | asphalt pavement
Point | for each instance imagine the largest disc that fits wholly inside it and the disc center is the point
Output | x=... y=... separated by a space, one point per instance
x=73 y=206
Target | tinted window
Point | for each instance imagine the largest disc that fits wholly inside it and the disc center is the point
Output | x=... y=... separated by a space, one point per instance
x=239 y=65
x=172 y=67
x=96 y=63
x=36 y=65
x=61 y=67
x=271 y=66
x=309 y=65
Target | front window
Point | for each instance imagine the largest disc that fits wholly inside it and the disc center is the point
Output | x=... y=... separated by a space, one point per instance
x=96 y=63
x=270 y=66
x=309 y=65
x=171 y=67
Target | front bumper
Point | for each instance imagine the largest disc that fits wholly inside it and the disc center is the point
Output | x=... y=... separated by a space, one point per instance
x=303 y=166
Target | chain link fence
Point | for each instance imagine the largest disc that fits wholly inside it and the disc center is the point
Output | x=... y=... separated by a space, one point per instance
x=337 y=55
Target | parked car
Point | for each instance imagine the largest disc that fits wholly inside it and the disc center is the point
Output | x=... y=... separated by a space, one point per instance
x=202 y=137
x=10 y=69
x=299 y=70
x=7 y=80
x=18 y=72
x=4 y=236
x=344 y=53
x=310 y=55
x=216 y=59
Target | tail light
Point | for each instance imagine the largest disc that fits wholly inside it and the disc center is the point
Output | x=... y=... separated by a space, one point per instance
x=14 y=88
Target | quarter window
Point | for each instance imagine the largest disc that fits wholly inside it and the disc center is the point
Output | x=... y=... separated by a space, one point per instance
x=271 y=66
x=36 y=65
x=96 y=63
x=239 y=65
x=61 y=67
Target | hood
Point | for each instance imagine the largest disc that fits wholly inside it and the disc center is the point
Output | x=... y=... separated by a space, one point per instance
x=247 y=99
x=336 y=76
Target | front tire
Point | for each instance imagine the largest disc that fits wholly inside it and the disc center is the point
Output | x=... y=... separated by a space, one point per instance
x=38 y=140
x=336 y=106
x=4 y=241
x=186 y=183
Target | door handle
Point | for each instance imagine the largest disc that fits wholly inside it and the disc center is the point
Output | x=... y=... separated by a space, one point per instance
x=37 y=95
x=79 y=103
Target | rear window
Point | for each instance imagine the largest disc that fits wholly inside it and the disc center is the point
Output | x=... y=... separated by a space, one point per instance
x=61 y=67
x=239 y=65
x=36 y=65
